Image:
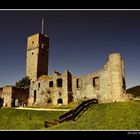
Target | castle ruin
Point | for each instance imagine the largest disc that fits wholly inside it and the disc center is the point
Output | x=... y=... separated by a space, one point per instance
x=107 y=85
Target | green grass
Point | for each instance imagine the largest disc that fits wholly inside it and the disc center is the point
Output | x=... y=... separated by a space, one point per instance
x=113 y=116
x=25 y=119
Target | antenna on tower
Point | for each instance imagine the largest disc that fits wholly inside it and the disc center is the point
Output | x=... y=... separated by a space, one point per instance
x=42 y=26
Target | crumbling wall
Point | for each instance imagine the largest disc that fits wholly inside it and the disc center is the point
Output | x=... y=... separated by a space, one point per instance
x=106 y=85
x=20 y=94
x=55 y=89
x=7 y=96
x=86 y=87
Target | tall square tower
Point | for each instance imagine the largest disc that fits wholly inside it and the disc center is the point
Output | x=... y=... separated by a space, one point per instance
x=37 y=56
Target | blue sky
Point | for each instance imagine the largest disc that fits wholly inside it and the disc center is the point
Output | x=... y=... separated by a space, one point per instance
x=80 y=41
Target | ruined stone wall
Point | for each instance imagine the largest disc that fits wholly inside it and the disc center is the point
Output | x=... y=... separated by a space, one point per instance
x=86 y=87
x=107 y=84
x=10 y=94
x=47 y=93
x=21 y=94
x=7 y=95
x=105 y=95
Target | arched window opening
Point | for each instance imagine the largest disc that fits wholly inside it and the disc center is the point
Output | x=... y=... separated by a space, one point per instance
x=17 y=103
x=59 y=101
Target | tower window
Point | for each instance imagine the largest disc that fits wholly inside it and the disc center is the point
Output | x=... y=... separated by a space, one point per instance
x=59 y=82
x=32 y=42
x=78 y=83
x=32 y=53
x=51 y=84
x=42 y=45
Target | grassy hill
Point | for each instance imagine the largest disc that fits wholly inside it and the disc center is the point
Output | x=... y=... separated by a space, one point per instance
x=25 y=119
x=135 y=91
x=111 y=116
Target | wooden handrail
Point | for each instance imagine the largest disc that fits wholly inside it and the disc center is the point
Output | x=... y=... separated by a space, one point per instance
x=72 y=114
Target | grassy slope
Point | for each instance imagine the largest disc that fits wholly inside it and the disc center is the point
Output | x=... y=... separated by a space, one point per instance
x=118 y=116
x=25 y=119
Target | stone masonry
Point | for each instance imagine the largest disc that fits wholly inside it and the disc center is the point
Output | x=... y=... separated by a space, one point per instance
x=13 y=96
x=37 y=56
x=107 y=85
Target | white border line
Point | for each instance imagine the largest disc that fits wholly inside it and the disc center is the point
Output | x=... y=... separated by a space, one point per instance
x=70 y=9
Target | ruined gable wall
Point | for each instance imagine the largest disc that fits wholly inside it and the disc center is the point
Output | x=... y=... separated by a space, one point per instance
x=109 y=84
x=7 y=95
x=113 y=80
x=21 y=94
x=105 y=85
x=83 y=87
x=44 y=92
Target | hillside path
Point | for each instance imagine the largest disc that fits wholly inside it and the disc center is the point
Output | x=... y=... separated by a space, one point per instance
x=42 y=109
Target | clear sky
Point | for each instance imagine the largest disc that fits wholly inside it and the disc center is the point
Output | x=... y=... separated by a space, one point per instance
x=80 y=41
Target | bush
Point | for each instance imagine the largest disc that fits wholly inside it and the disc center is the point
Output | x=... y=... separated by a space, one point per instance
x=24 y=82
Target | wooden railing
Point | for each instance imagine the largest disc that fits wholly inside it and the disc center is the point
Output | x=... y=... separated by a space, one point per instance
x=72 y=114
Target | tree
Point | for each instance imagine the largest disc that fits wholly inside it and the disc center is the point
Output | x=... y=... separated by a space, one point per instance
x=24 y=82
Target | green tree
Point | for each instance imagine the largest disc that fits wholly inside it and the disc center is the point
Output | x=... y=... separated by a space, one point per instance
x=24 y=82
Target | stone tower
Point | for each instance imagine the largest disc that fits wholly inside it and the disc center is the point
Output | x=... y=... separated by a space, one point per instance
x=116 y=66
x=37 y=56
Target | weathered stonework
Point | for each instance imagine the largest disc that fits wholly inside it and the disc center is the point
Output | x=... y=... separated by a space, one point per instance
x=107 y=85
x=37 y=56
x=13 y=96
x=55 y=89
